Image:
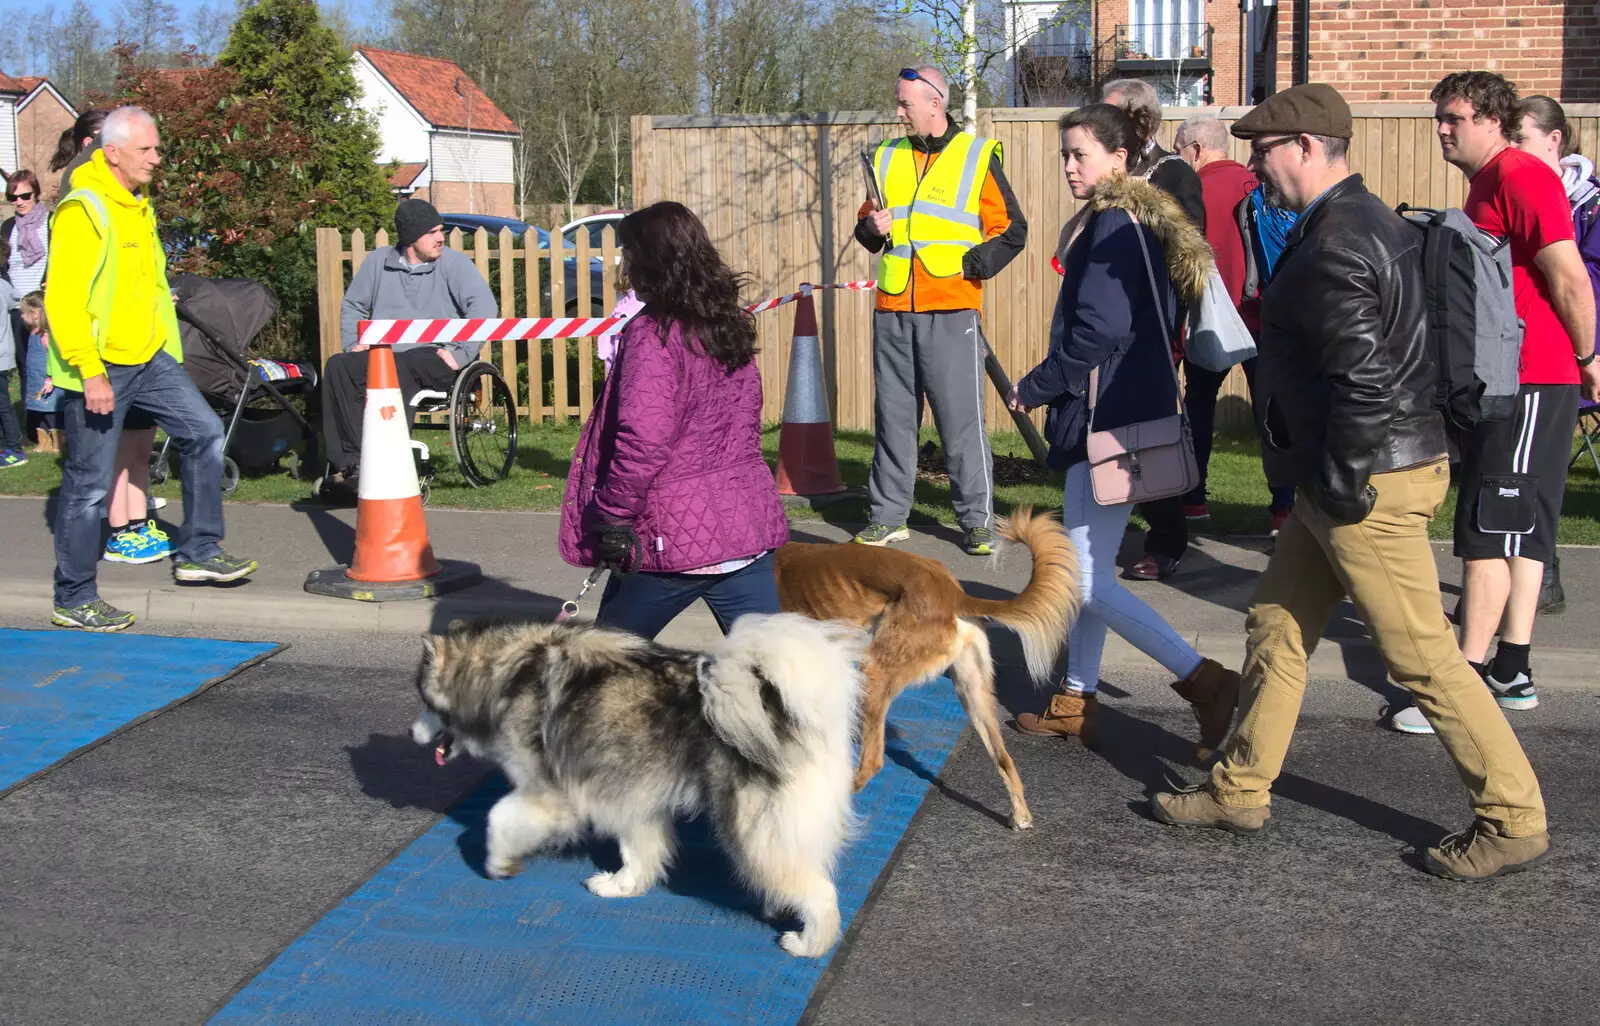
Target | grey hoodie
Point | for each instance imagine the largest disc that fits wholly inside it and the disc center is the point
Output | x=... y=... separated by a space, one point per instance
x=385 y=287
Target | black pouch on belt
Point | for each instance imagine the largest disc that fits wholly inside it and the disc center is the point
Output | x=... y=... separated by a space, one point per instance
x=1507 y=504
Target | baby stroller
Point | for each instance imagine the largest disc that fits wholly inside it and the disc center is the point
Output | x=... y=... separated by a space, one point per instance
x=218 y=319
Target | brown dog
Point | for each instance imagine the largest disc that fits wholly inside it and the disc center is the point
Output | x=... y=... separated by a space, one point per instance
x=920 y=620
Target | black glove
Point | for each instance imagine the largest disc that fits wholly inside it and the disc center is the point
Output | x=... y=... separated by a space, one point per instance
x=1346 y=511
x=616 y=545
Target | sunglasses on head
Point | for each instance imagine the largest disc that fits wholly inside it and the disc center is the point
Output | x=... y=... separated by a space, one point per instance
x=12 y=197
x=911 y=75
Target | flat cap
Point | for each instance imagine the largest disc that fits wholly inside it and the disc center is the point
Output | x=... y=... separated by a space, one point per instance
x=1311 y=109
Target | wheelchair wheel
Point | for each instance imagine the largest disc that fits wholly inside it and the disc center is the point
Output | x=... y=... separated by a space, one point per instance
x=483 y=424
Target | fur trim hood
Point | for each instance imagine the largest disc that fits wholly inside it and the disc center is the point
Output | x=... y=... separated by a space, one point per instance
x=1189 y=258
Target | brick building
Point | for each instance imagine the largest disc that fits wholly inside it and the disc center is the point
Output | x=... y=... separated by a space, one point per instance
x=1213 y=51
x=42 y=115
x=1397 y=49
x=1190 y=50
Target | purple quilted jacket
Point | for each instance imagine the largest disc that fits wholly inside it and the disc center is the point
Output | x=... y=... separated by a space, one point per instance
x=674 y=448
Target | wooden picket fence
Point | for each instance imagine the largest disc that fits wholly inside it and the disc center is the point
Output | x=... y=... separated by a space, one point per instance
x=527 y=282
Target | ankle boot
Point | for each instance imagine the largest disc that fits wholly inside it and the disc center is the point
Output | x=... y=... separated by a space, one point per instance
x=1213 y=690
x=45 y=442
x=58 y=439
x=1070 y=713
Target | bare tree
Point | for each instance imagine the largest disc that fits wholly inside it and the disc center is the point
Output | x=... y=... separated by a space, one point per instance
x=152 y=26
x=209 y=26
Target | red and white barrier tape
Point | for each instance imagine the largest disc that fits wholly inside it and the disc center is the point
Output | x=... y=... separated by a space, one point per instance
x=513 y=329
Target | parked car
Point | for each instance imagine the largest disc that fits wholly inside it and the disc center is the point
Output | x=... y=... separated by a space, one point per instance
x=595 y=225
x=469 y=223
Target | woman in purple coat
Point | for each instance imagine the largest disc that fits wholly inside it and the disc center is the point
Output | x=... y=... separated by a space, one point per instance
x=668 y=486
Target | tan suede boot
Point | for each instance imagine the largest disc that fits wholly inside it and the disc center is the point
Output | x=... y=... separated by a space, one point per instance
x=46 y=441
x=1482 y=852
x=1213 y=690
x=58 y=438
x=1070 y=713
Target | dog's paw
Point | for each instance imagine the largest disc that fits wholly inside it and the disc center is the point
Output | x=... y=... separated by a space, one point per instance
x=1022 y=820
x=796 y=943
x=501 y=869
x=614 y=885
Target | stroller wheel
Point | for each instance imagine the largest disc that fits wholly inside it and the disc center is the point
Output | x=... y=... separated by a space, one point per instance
x=230 y=475
x=160 y=470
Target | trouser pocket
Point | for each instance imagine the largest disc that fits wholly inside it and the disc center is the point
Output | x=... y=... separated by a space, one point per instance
x=1507 y=504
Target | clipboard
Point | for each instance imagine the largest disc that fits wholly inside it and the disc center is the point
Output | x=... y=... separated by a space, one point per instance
x=874 y=194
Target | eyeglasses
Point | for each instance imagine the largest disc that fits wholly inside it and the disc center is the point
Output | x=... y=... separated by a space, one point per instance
x=911 y=75
x=12 y=197
x=1259 y=152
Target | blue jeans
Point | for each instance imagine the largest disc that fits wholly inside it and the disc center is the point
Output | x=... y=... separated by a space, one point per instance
x=1096 y=532
x=646 y=603
x=163 y=389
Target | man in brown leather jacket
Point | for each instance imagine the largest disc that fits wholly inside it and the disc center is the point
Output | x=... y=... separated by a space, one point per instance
x=1346 y=402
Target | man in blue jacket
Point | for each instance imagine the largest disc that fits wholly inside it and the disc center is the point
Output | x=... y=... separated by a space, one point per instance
x=416 y=278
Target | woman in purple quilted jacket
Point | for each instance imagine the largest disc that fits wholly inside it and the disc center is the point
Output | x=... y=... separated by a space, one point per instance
x=668 y=486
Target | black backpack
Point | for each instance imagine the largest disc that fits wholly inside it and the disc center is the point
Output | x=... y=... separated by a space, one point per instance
x=1473 y=327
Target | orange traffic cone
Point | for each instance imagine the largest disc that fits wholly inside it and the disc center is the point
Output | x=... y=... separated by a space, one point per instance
x=806 y=461
x=393 y=557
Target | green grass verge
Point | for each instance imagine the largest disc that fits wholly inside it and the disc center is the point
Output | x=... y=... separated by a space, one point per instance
x=1237 y=492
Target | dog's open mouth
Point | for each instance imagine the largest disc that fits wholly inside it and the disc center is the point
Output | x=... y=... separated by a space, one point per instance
x=444 y=748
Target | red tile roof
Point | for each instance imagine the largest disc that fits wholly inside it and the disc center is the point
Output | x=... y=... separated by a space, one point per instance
x=405 y=175
x=10 y=85
x=430 y=84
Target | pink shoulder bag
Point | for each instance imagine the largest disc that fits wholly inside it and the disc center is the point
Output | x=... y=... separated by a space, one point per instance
x=1153 y=459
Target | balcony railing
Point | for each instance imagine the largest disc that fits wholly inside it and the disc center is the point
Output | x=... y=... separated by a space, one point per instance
x=1188 y=42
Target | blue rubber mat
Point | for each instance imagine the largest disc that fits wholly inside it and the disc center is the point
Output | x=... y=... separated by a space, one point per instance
x=429 y=940
x=62 y=692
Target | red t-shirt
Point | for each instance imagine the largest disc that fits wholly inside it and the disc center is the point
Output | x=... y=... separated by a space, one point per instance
x=1223 y=183
x=1517 y=197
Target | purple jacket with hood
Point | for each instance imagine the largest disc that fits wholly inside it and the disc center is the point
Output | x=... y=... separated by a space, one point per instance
x=673 y=447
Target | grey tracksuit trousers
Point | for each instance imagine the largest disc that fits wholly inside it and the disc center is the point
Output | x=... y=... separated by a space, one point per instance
x=939 y=355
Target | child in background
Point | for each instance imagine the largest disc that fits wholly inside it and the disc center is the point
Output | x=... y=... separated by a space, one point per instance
x=39 y=394
x=10 y=435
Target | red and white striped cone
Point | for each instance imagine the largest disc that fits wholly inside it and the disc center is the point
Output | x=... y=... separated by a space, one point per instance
x=807 y=464
x=393 y=558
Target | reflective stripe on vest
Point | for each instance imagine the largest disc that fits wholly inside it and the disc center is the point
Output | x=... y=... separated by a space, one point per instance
x=936 y=218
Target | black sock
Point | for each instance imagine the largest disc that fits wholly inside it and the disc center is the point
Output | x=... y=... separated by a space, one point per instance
x=1479 y=668
x=1510 y=660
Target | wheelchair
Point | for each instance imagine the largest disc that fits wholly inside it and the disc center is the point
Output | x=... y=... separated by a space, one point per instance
x=481 y=417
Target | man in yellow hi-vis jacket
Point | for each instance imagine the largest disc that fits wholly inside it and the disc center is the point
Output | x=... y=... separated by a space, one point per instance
x=115 y=346
x=950 y=222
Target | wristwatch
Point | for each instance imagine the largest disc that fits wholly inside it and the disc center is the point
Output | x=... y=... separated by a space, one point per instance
x=1584 y=361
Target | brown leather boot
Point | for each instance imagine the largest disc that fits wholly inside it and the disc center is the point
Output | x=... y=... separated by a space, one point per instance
x=1070 y=713
x=1213 y=690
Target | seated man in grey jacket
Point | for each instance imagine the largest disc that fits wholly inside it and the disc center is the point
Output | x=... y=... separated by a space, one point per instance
x=419 y=278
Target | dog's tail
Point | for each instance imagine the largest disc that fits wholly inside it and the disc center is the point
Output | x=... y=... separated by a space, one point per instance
x=1041 y=612
x=776 y=680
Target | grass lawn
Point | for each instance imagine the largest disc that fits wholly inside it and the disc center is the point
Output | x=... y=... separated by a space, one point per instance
x=1237 y=492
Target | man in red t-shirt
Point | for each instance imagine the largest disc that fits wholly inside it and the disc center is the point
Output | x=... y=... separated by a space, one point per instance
x=1514 y=473
x=1224 y=184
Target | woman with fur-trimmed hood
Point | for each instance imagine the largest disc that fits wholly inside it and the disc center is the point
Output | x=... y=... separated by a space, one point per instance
x=1116 y=316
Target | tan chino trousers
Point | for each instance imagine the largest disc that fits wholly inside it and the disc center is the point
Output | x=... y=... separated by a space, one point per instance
x=1385 y=565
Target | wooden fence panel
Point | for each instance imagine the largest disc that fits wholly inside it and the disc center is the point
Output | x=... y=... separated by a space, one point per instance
x=497 y=258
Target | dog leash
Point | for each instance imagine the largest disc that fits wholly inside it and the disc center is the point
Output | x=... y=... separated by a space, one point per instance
x=569 y=608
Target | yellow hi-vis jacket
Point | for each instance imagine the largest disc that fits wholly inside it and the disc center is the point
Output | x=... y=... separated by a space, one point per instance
x=936 y=218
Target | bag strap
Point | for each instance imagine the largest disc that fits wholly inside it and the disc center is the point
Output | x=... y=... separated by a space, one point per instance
x=1161 y=315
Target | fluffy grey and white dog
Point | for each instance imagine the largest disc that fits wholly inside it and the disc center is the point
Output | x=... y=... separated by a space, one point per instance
x=601 y=730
